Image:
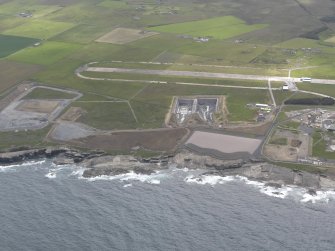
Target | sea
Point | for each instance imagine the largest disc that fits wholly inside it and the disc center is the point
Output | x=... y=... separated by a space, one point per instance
x=48 y=207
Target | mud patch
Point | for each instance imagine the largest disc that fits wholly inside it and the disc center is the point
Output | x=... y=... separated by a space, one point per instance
x=155 y=140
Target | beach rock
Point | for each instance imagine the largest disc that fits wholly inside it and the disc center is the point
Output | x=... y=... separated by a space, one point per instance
x=12 y=157
x=120 y=164
x=312 y=192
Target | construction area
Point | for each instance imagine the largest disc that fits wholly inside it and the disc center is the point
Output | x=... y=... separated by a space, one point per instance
x=304 y=136
x=22 y=113
x=286 y=145
x=195 y=111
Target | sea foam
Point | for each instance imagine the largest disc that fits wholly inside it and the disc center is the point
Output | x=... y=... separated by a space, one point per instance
x=282 y=192
x=25 y=164
x=154 y=178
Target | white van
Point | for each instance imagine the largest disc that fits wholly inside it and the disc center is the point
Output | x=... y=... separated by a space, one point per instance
x=303 y=79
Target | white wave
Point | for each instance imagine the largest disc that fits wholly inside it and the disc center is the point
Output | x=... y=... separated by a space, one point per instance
x=154 y=178
x=24 y=164
x=51 y=175
x=185 y=169
x=281 y=192
x=208 y=179
x=278 y=192
x=128 y=185
x=79 y=172
x=321 y=196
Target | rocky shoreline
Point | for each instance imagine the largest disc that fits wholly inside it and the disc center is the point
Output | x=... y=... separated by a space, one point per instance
x=97 y=163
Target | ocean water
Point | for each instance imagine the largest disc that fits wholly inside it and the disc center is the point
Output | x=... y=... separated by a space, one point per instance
x=45 y=207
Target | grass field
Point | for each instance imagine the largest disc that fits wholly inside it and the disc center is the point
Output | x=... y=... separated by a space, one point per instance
x=11 y=44
x=46 y=53
x=324 y=89
x=42 y=93
x=39 y=28
x=10 y=140
x=12 y=73
x=104 y=115
x=113 y=4
x=81 y=34
x=263 y=38
x=319 y=147
x=28 y=6
x=219 y=28
x=8 y=22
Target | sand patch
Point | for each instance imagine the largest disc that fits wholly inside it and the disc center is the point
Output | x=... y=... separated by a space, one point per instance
x=72 y=114
x=124 y=35
x=40 y=106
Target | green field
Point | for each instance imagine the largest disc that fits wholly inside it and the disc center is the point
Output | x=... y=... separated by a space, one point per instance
x=320 y=146
x=28 y=6
x=262 y=38
x=7 y=22
x=43 y=93
x=113 y=4
x=33 y=139
x=44 y=54
x=319 y=88
x=219 y=28
x=13 y=73
x=11 y=44
x=39 y=28
x=107 y=115
x=82 y=34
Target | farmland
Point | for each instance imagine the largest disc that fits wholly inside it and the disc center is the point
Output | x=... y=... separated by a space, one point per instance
x=242 y=39
x=12 y=44
x=45 y=53
x=13 y=73
x=40 y=29
x=219 y=28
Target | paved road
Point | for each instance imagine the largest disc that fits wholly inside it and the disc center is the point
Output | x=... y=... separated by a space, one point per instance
x=177 y=83
x=271 y=93
x=203 y=74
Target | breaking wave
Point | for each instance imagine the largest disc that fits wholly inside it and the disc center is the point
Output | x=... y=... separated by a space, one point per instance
x=154 y=178
x=25 y=164
x=302 y=194
x=188 y=175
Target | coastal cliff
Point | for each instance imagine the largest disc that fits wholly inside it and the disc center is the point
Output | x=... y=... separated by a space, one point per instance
x=98 y=163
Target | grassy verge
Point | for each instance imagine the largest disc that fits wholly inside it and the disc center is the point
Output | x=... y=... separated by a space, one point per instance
x=43 y=93
x=320 y=146
x=300 y=167
x=9 y=140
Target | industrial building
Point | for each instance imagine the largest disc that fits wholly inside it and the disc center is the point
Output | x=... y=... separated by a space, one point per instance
x=204 y=107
